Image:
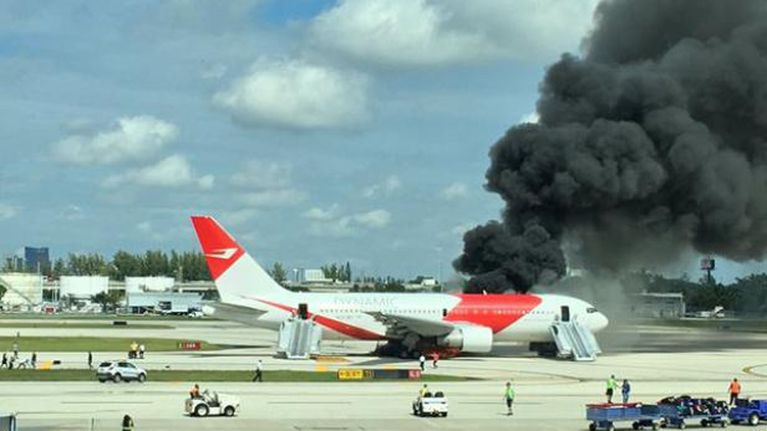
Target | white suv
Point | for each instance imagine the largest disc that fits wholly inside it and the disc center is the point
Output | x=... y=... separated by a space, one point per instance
x=118 y=371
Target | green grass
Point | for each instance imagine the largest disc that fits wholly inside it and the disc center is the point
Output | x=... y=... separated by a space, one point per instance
x=199 y=376
x=82 y=325
x=93 y=344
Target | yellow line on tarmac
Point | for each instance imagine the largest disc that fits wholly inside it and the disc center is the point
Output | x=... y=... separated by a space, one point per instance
x=331 y=359
x=750 y=370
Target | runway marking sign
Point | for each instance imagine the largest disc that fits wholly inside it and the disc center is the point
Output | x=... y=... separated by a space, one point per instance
x=351 y=374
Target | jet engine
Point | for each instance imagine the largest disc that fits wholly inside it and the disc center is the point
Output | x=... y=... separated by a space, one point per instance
x=468 y=338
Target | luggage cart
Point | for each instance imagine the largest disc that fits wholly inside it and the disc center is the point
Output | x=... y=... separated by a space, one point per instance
x=690 y=410
x=605 y=416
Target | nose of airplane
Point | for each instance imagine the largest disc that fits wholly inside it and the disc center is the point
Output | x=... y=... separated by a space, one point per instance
x=600 y=322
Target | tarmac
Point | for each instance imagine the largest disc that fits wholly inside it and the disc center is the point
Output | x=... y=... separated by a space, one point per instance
x=551 y=394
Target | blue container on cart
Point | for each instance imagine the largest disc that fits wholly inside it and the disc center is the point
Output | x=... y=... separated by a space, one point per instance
x=679 y=413
x=604 y=416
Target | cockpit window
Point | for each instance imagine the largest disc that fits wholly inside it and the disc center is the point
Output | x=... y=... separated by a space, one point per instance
x=591 y=310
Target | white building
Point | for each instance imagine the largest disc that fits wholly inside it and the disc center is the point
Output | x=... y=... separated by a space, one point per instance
x=148 y=284
x=164 y=302
x=311 y=276
x=21 y=289
x=83 y=287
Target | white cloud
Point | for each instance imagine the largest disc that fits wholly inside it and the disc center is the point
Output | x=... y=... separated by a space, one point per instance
x=462 y=228
x=72 y=212
x=386 y=187
x=144 y=227
x=454 y=191
x=214 y=71
x=172 y=171
x=375 y=219
x=530 y=117
x=273 y=198
x=238 y=217
x=422 y=32
x=328 y=222
x=263 y=175
x=7 y=211
x=132 y=138
x=296 y=94
x=269 y=184
x=319 y=214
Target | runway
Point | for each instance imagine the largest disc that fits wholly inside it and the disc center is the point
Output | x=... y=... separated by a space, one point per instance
x=551 y=394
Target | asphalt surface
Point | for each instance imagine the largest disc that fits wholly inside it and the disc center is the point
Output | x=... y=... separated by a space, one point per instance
x=551 y=394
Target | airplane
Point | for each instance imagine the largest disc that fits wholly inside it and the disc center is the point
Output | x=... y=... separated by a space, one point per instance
x=409 y=322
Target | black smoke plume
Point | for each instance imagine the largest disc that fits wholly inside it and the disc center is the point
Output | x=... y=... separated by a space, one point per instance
x=651 y=143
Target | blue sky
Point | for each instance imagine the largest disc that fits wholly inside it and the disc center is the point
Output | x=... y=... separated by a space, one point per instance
x=316 y=131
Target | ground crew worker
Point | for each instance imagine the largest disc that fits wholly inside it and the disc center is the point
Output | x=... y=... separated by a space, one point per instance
x=127 y=423
x=34 y=359
x=434 y=359
x=259 y=371
x=133 y=350
x=424 y=390
x=195 y=392
x=734 y=391
x=626 y=390
x=141 y=351
x=5 y=361
x=611 y=386
x=422 y=362
x=509 y=396
x=90 y=360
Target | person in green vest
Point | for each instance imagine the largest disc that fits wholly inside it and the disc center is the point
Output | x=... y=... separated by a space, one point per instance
x=509 y=396
x=612 y=385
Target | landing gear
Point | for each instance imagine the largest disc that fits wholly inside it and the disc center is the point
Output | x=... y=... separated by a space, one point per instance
x=395 y=349
x=544 y=349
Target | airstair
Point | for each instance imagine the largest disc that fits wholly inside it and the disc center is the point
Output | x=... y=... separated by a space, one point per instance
x=299 y=338
x=575 y=341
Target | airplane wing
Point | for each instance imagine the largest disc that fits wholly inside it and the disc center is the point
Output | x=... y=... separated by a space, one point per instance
x=236 y=313
x=398 y=326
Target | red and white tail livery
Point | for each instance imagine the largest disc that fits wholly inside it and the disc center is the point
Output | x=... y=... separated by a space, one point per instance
x=414 y=321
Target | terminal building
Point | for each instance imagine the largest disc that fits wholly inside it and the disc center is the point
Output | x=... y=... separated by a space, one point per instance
x=82 y=288
x=658 y=305
x=22 y=291
x=310 y=276
x=149 y=284
x=163 y=302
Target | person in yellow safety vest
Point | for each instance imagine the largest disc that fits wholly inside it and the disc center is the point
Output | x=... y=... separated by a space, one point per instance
x=509 y=396
x=127 y=423
x=612 y=385
x=133 y=350
x=423 y=391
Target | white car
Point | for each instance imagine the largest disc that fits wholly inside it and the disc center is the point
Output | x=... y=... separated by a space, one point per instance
x=431 y=405
x=212 y=404
x=118 y=371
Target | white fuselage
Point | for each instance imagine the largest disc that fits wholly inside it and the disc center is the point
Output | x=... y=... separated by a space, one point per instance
x=522 y=318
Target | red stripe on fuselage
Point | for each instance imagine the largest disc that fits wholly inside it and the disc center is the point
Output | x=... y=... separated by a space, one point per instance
x=335 y=325
x=497 y=312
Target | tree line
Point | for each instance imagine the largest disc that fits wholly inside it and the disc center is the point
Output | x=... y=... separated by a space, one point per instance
x=183 y=266
x=747 y=295
x=337 y=272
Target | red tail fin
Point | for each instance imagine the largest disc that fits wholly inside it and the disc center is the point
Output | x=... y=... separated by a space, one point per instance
x=221 y=250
